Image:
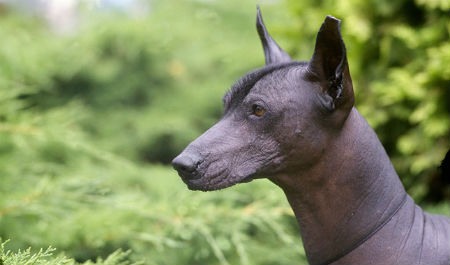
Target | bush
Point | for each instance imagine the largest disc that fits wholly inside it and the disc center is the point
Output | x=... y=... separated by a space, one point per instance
x=46 y=257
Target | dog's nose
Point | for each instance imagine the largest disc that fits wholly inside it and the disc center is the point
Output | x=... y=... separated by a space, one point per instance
x=186 y=166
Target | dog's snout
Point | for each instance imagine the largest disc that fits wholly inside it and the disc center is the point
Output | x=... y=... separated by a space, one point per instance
x=186 y=166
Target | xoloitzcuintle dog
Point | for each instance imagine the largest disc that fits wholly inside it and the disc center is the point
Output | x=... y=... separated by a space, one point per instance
x=295 y=124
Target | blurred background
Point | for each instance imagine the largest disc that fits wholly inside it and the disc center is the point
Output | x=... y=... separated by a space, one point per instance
x=97 y=97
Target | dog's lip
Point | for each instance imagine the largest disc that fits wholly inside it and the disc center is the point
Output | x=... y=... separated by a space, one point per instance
x=247 y=179
x=186 y=177
x=199 y=182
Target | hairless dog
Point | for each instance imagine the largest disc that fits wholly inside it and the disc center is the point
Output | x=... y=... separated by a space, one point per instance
x=295 y=124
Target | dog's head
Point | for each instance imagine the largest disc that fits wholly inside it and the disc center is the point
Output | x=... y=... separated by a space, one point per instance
x=277 y=119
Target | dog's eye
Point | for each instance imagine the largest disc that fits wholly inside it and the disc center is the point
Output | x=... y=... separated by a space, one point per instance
x=258 y=111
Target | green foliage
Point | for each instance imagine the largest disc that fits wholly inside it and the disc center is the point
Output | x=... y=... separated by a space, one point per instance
x=88 y=122
x=46 y=257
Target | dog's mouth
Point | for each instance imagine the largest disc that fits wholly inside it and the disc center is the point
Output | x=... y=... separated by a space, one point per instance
x=214 y=182
x=208 y=173
x=247 y=179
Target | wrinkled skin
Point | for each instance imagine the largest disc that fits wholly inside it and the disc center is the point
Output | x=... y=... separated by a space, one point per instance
x=246 y=146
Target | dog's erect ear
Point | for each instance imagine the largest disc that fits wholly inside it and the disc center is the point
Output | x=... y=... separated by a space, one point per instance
x=273 y=53
x=329 y=65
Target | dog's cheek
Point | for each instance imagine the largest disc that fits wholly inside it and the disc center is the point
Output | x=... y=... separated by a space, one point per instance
x=268 y=159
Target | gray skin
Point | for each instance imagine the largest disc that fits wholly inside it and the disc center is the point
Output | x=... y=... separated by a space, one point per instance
x=295 y=124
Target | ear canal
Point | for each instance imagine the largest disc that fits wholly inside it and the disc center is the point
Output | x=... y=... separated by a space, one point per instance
x=272 y=52
x=329 y=63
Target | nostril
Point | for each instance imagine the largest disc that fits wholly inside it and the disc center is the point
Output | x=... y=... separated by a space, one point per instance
x=185 y=165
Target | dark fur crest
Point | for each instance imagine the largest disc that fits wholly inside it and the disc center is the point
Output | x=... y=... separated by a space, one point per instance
x=243 y=86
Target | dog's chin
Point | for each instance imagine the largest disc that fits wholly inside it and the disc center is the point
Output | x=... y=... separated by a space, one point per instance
x=205 y=183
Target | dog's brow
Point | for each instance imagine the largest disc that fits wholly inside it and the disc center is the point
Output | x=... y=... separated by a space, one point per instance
x=242 y=87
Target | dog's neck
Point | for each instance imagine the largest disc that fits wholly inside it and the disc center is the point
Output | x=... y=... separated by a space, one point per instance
x=348 y=195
